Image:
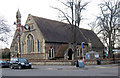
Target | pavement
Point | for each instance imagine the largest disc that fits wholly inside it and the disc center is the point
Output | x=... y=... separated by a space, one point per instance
x=47 y=67
x=88 y=70
x=102 y=66
x=54 y=67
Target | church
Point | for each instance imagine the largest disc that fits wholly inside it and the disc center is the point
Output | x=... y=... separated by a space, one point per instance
x=46 y=39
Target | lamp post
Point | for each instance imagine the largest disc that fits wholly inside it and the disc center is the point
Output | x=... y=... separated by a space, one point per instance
x=82 y=46
x=18 y=17
x=19 y=43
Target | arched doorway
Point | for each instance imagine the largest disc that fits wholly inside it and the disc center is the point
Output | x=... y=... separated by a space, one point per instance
x=70 y=54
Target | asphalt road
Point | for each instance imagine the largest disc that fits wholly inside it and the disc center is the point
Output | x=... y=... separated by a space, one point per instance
x=92 y=70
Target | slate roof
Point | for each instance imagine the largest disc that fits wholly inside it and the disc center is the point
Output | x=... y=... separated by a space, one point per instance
x=54 y=31
x=92 y=37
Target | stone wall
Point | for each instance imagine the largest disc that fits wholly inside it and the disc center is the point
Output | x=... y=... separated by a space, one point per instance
x=72 y=62
x=56 y=47
x=52 y=63
x=33 y=56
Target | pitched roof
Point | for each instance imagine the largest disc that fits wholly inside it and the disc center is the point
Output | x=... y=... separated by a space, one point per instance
x=92 y=37
x=54 y=31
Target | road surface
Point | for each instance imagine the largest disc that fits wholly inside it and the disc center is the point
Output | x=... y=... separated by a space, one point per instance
x=91 y=70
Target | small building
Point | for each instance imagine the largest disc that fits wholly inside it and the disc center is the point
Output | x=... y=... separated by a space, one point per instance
x=92 y=55
x=47 y=39
x=116 y=53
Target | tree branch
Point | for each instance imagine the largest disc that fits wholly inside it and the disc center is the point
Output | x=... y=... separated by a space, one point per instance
x=63 y=14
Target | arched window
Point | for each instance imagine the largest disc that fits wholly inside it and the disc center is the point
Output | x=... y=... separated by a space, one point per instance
x=16 y=47
x=51 y=53
x=78 y=51
x=38 y=43
x=22 y=47
x=30 y=43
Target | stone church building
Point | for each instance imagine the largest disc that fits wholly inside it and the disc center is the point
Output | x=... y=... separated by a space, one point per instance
x=42 y=38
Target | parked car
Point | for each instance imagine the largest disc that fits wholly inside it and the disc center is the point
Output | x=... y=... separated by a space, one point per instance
x=4 y=63
x=19 y=63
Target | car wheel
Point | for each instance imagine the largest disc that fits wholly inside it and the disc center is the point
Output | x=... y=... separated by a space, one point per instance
x=30 y=67
x=11 y=66
x=19 y=67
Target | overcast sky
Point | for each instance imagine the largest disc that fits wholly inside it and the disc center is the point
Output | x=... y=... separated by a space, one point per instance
x=41 y=8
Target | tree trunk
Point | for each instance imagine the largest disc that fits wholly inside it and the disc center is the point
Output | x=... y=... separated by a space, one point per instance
x=110 y=46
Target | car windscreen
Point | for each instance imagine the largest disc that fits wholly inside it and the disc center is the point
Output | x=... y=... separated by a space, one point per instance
x=22 y=60
x=0 y=61
x=4 y=61
x=14 y=60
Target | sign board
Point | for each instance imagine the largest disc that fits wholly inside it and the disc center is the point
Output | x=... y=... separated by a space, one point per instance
x=81 y=63
x=81 y=45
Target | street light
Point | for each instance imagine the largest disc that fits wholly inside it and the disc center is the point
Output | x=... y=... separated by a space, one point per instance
x=82 y=46
x=18 y=24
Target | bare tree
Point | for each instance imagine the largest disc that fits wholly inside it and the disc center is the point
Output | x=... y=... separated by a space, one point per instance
x=4 y=30
x=74 y=11
x=107 y=23
x=72 y=16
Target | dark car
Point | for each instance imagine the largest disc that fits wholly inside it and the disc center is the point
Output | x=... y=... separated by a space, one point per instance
x=19 y=63
x=4 y=63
